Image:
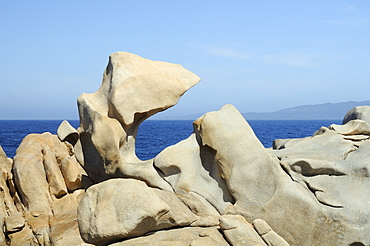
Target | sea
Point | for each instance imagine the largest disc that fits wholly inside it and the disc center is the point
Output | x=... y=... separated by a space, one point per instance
x=155 y=135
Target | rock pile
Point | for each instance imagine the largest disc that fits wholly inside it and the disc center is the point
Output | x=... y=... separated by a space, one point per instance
x=219 y=186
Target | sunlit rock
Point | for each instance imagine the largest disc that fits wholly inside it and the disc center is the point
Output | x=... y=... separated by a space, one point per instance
x=195 y=173
x=122 y=208
x=358 y=113
x=48 y=178
x=132 y=90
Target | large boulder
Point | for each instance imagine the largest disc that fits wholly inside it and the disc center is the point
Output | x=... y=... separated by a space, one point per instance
x=123 y=208
x=241 y=159
x=358 y=113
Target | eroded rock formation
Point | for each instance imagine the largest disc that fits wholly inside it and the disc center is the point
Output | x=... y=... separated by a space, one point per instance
x=219 y=186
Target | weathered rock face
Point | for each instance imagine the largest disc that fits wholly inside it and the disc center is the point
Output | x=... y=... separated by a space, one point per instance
x=219 y=186
x=132 y=90
x=41 y=189
x=333 y=166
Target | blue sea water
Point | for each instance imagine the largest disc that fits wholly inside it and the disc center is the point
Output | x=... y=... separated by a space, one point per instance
x=155 y=135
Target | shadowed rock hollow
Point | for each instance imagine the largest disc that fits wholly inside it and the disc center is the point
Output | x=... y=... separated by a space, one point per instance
x=219 y=186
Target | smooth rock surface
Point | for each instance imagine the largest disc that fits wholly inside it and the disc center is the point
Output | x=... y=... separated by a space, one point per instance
x=241 y=158
x=194 y=172
x=66 y=132
x=132 y=90
x=195 y=236
x=122 y=208
x=353 y=127
x=357 y=113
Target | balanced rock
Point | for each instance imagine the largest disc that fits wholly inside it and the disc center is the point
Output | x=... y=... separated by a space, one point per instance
x=132 y=90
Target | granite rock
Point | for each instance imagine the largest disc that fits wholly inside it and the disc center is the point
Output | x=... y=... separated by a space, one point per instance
x=132 y=90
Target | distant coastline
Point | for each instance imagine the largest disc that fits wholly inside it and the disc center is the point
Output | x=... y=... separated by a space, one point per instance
x=325 y=111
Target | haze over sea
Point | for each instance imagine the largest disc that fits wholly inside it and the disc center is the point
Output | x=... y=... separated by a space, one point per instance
x=155 y=135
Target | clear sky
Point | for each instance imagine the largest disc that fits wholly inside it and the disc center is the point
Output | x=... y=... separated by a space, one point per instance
x=260 y=56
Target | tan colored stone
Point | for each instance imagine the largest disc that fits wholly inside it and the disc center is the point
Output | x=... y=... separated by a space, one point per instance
x=241 y=158
x=64 y=229
x=57 y=186
x=198 y=204
x=66 y=132
x=239 y=232
x=14 y=222
x=132 y=90
x=40 y=226
x=43 y=168
x=23 y=237
x=30 y=175
x=194 y=172
x=121 y=208
x=268 y=235
x=207 y=221
x=38 y=169
x=179 y=236
x=72 y=172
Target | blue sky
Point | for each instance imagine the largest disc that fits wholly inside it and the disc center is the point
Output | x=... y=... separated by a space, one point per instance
x=260 y=56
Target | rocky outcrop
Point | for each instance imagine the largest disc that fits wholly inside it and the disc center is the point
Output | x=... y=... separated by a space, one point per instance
x=219 y=186
x=41 y=189
x=132 y=90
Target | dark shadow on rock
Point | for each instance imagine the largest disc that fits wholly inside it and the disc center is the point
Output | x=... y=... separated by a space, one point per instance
x=357 y=244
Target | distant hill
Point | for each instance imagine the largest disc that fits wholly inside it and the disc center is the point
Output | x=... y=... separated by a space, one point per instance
x=326 y=111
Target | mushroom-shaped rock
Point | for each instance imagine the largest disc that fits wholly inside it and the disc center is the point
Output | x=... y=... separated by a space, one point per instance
x=132 y=90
